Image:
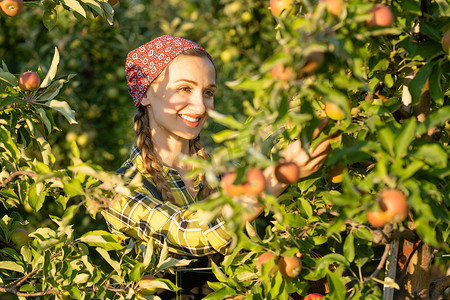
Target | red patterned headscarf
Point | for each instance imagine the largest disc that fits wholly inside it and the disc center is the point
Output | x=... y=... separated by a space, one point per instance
x=146 y=62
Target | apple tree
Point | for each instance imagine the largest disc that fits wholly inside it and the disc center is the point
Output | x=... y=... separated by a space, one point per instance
x=362 y=225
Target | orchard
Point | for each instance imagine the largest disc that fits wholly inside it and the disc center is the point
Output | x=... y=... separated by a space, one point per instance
x=371 y=76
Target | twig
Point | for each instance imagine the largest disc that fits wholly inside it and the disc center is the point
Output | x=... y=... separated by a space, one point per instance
x=438 y=287
x=15 y=174
x=19 y=281
x=380 y=266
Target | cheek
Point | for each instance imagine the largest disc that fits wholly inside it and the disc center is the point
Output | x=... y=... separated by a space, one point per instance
x=209 y=104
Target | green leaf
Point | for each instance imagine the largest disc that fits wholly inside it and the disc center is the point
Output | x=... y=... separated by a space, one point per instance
x=9 y=78
x=222 y=293
x=225 y=120
x=135 y=274
x=48 y=243
x=63 y=108
x=73 y=188
x=95 y=6
x=114 y=264
x=50 y=17
x=75 y=6
x=404 y=137
x=52 y=70
x=12 y=266
x=386 y=138
x=36 y=196
x=337 y=286
x=349 y=247
x=102 y=239
x=416 y=85
x=107 y=8
x=433 y=154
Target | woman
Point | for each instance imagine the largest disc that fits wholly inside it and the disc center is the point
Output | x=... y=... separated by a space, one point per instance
x=172 y=83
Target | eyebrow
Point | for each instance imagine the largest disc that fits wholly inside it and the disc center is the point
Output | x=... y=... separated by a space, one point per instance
x=193 y=82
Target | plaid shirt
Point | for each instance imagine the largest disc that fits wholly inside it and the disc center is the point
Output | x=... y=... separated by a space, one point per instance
x=144 y=216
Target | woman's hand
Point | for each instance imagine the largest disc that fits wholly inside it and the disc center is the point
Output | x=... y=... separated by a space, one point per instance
x=308 y=162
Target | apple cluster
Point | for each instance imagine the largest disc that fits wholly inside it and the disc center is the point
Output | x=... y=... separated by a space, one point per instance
x=289 y=266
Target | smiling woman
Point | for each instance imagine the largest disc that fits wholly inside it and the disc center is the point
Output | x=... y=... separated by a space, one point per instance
x=172 y=82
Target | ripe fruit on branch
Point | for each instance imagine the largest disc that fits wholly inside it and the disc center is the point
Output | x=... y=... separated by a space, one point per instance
x=11 y=7
x=334 y=7
x=29 y=81
x=143 y=285
x=381 y=15
x=446 y=41
x=254 y=184
x=263 y=259
x=313 y=62
x=335 y=173
x=393 y=209
x=280 y=72
x=277 y=6
x=312 y=297
x=287 y=172
x=334 y=112
x=229 y=187
x=19 y=238
x=393 y=203
x=290 y=267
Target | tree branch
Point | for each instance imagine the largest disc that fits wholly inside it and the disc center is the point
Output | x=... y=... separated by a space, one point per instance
x=438 y=287
x=13 y=175
x=380 y=266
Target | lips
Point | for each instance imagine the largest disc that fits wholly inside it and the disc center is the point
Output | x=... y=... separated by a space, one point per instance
x=192 y=121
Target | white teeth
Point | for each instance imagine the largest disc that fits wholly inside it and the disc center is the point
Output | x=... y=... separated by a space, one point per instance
x=190 y=119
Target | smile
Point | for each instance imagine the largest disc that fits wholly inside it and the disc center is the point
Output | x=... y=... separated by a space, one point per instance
x=190 y=119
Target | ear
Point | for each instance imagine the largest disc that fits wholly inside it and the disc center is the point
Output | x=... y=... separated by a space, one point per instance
x=145 y=99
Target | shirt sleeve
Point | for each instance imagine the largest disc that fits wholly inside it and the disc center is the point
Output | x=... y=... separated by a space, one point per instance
x=145 y=217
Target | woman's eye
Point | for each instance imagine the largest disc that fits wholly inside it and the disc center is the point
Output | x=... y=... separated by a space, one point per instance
x=209 y=94
x=185 y=89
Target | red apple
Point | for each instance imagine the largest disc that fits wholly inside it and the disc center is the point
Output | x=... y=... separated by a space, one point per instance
x=335 y=7
x=11 y=7
x=263 y=259
x=19 y=238
x=287 y=172
x=280 y=72
x=376 y=218
x=312 y=297
x=229 y=187
x=333 y=111
x=290 y=267
x=277 y=6
x=381 y=15
x=29 y=81
x=255 y=183
x=446 y=41
x=393 y=203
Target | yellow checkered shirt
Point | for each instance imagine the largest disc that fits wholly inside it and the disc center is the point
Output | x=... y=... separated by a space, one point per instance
x=144 y=216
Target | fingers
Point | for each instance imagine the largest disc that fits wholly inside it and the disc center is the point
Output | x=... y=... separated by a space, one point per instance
x=323 y=147
x=323 y=122
x=313 y=165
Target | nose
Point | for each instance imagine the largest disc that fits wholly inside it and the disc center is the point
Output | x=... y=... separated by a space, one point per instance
x=198 y=103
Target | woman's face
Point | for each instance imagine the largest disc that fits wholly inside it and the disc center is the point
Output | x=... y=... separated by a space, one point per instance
x=179 y=98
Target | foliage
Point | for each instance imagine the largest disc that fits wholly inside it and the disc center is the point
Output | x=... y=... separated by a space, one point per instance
x=54 y=188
